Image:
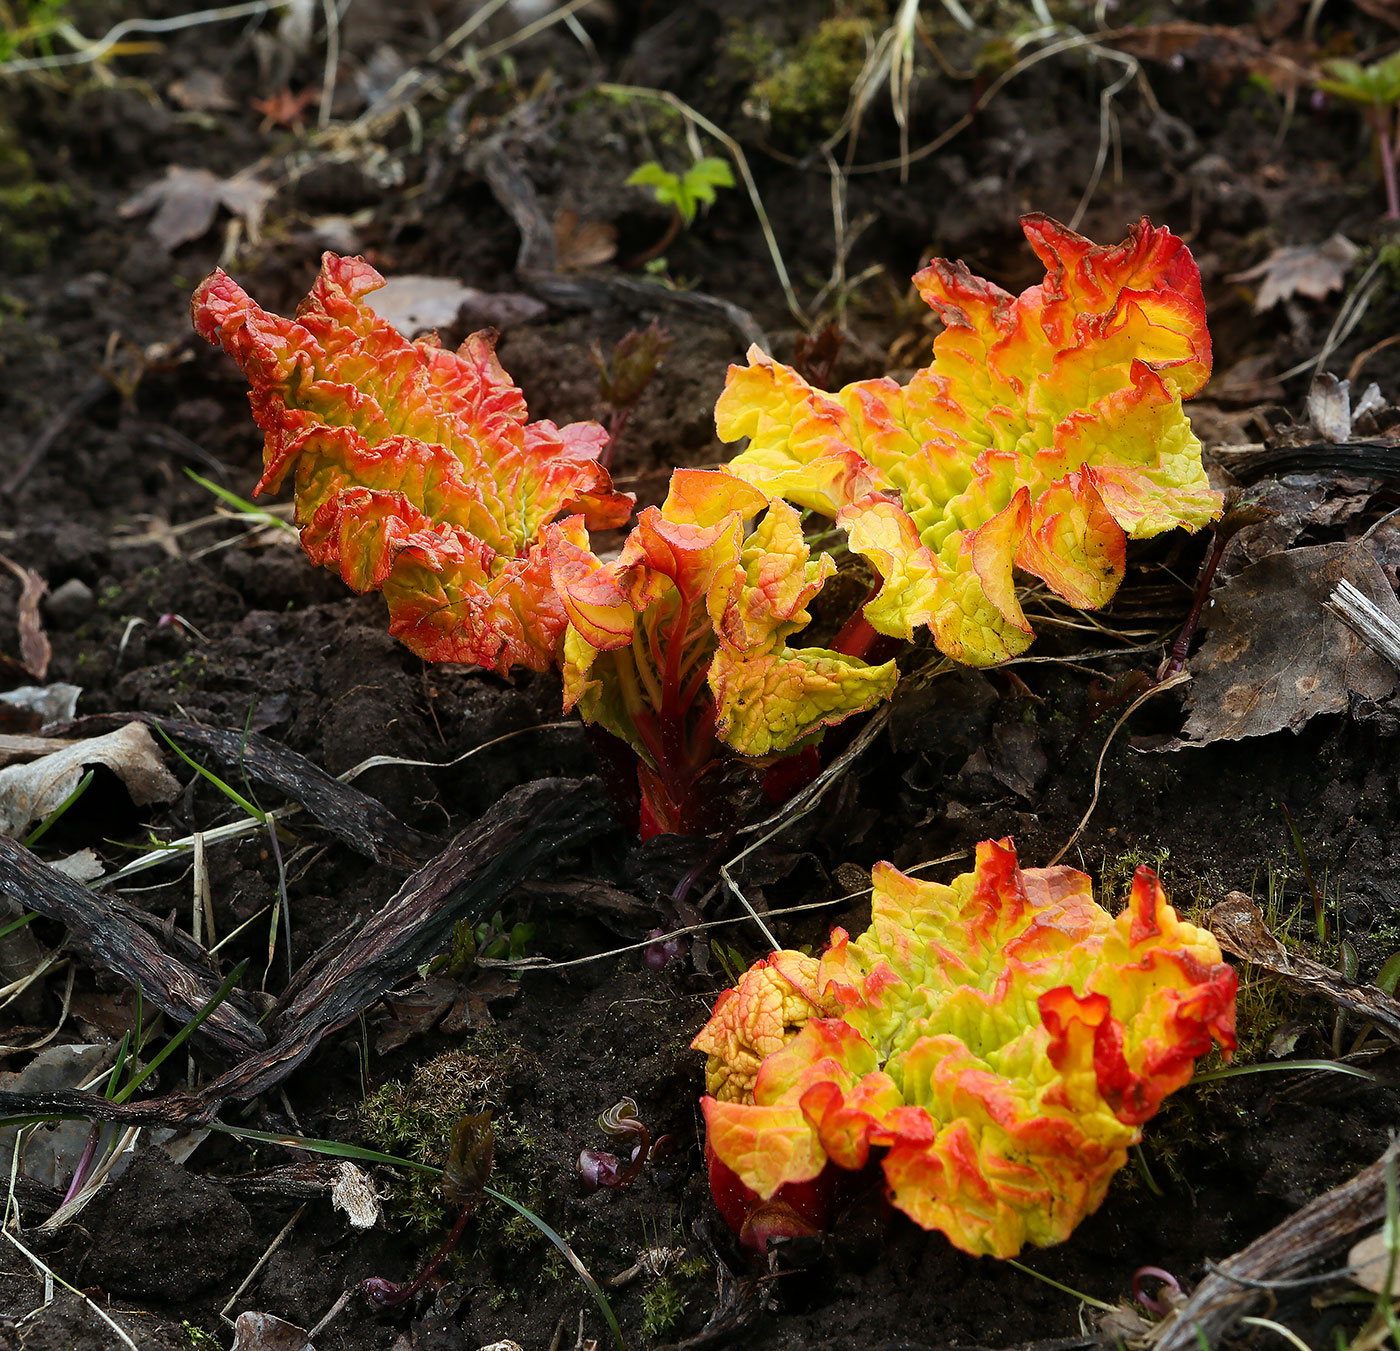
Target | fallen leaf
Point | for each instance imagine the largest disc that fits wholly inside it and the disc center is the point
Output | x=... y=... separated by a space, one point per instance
x=1276 y=657
x=1371 y=1264
x=84 y=866
x=1312 y=270
x=29 y=707
x=580 y=244
x=1290 y=506
x=1330 y=410
x=201 y=91
x=417 y=304
x=186 y=201
x=34 y=649
x=267 y=1332
x=1329 y=407
x=1241 y=930
x=29 y=792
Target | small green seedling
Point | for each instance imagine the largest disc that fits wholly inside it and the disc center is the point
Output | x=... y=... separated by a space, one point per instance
x=1375 y=89
x=683 y=193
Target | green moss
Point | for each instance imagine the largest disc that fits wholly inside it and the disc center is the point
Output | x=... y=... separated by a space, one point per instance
x=1116 y=874
x=416 y=1120
x=32 y=212
x=809 y=91
x=663 y=1306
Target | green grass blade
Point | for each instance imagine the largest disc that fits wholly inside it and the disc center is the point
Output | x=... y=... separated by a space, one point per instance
x=1235 y=1071
x=178 y=1040
x=42 y=828
x=568 y=1254
x=115 y=1077
x=27 y=918
x=334 y=1149
x=227 y=790
x=240 y=503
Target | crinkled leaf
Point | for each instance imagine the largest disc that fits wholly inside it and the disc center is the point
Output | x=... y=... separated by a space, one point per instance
x=416 y=471
x=768 y=703
x=1003 y=1038
x=1048 y=429
x=684 y=635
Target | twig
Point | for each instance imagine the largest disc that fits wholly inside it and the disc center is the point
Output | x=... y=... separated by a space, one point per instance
x=1170 y=683
x=1319 y=1228
x=261 y=1262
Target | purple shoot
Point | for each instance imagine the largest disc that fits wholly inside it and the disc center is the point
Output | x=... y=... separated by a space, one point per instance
x=598 y=1167
x=1167 y=1294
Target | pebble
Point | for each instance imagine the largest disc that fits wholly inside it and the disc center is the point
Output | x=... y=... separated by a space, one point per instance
x=70 y=604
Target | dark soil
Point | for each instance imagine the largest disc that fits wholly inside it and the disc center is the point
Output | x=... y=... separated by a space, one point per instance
x=263 y=639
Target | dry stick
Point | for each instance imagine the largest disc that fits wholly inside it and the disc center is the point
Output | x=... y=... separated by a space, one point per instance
x=1363 y=615
x=361 y=821
x=261 y=1262
x=1320 y=1228
x=526 y=826
x=112 y=940
x=1170 y=683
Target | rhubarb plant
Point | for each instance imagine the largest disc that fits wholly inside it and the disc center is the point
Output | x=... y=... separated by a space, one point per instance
x=682 y=641
x=1047 y=431
x=994 y=1046
x=416 y=470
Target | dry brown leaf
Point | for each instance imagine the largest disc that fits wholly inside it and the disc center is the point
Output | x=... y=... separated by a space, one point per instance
x=34 y=649
x=582 y=244
x=201 y=91
x=29 y=792
x=1241 y=930
x=1276 y=657
x=1371 y=1265
x=418 y=304
x=186 y=201
x=266 y=1332
x=1312 y=270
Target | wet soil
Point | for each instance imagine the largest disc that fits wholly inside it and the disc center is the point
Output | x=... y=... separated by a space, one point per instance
x=183 y=612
